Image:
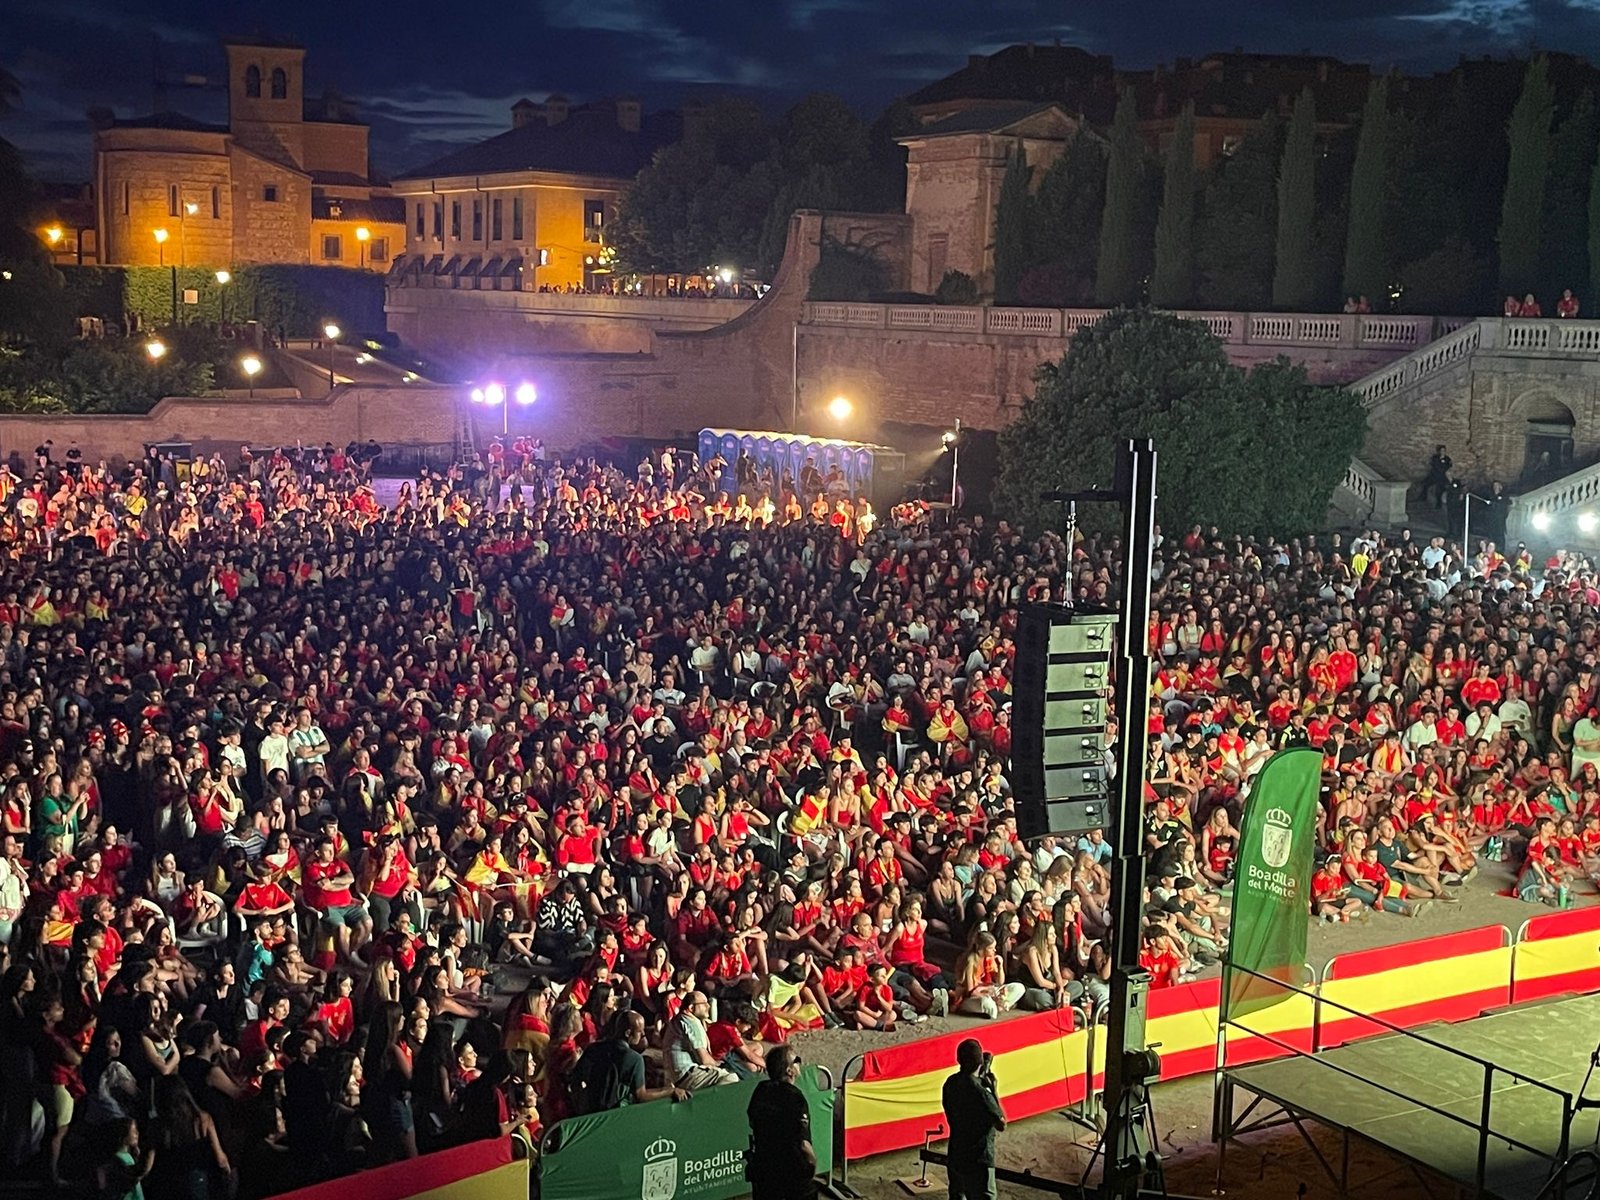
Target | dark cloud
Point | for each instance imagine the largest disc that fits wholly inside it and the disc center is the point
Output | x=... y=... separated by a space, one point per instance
x=430 y=75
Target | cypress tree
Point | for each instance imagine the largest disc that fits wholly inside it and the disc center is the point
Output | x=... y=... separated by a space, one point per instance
x=1366 y=248
x=1011 y=218
x=1294 y=277
x=1172 y=282
x=1117 y=275
x=1522 y=207
x=1593 y=298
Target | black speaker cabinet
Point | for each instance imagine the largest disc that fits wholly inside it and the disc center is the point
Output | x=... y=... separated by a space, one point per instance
x=1060 y=702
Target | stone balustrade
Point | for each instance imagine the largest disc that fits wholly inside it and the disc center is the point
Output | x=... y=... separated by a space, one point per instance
x=1564 y=512
x=1354 y=331
x=1376 y=500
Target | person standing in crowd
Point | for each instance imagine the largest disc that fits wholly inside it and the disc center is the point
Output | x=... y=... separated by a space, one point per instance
x=1437 y=481
x=781 y=1163
x=973 y=1115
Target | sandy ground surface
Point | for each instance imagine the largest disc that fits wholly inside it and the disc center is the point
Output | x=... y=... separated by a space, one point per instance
x=1264 y=1166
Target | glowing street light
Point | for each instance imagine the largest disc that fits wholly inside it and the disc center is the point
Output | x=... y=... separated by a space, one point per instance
x=161 y=243
x=362 y=236
x=251 y=366
x=53 y=235
x=156 y=349
x=840 y=408
x=952 y=442
x=224 y=277
x=526 y=394
x=331 y=332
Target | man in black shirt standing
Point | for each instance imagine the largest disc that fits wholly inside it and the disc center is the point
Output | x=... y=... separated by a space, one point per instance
x=782 y=1164
x=972 y=1110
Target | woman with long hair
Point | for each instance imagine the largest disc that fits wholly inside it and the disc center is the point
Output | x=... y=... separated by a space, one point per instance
x=386 y=1096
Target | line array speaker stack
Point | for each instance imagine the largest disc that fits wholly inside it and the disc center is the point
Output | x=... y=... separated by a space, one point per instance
x=1060 y=701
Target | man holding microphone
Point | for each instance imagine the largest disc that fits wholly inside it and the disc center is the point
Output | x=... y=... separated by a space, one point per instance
x=972 y=1111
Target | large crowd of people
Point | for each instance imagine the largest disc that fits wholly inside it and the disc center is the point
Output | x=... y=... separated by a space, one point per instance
x=337 y=828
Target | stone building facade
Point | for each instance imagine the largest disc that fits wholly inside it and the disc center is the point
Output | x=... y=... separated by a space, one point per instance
x=281 y=182
x=954 y=169
x=529 y=208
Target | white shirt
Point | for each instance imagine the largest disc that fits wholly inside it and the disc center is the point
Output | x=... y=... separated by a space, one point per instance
x=13 y=890
x=274 y=752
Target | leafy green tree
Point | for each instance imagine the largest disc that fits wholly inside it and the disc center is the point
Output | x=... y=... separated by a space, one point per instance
x=1116 y=277
x=1294 y=272
x=1522 y=205
x=1172 y=284
x=1366 y=250
x=1011 y=219
x=844 y=273
x=1258 y=451
x=1593 y=299
x=1237 y=215
x=957 y=288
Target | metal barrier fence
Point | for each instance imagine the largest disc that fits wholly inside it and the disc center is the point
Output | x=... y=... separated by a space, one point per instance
x=1449 y=978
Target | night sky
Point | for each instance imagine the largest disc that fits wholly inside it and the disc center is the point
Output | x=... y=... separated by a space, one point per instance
x=431 y=76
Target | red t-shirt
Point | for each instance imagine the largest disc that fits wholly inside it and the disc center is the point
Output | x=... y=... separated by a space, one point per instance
x=317 y=895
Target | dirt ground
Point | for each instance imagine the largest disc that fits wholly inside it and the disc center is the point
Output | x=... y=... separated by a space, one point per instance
x=1272 y=1165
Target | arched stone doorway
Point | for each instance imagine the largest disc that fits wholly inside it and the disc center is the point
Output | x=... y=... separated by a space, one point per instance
x=1548 y=439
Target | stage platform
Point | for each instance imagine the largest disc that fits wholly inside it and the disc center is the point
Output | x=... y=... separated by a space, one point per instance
x=1435 y=1120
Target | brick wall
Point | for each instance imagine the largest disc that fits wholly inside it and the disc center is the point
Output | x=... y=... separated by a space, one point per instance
x=137 y=168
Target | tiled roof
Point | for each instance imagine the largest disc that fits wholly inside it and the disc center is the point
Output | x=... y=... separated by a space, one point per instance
x=588 y=142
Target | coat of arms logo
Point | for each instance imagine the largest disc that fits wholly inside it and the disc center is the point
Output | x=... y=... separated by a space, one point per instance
x=1277 y=838
x=659 y=1180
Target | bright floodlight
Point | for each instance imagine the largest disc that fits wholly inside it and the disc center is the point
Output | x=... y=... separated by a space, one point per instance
x=1587 y=522
x=331 y=331
x=224 y=277
x=476 y=395
x=157 y=350
x=725 y=275
x=250 y=365
x=190 y=207
x=53 y=233
x=1541 y=520
x=526 y=393
x=839 y=408
x=160 y=235
x=948 y=438
x=495 y=393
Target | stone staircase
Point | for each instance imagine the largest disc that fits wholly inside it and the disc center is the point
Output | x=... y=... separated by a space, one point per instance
x=1410 y=383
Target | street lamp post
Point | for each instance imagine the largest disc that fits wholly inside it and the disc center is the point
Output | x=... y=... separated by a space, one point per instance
x=189 y=210
x=331 y=332
x=362 y=235
x=953 y=441
x=223 y=279
x=251 y=366
x=161 y=250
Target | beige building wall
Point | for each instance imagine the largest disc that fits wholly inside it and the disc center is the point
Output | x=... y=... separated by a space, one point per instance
x=272 y=126
x=145 y=181
x=553 y=210
x=952 y=190
x=335 y=146
x=387 y=239
x=269 y=230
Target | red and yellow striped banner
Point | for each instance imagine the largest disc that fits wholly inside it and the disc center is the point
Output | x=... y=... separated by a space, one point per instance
x=477 y=1171
x=1038 y=1064
x=1557 y=953
x=1449 y=978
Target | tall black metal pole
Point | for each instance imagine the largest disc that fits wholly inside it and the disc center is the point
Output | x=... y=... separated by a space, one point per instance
x=1125 y=1022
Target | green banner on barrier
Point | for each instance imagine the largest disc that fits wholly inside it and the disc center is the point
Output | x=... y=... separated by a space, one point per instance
x=1272 y=883
x=665 y=1151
